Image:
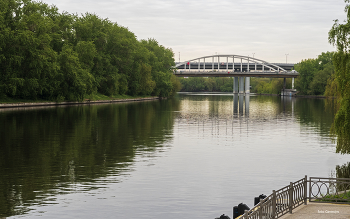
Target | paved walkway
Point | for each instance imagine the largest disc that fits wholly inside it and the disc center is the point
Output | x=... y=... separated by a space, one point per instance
x=320 y=211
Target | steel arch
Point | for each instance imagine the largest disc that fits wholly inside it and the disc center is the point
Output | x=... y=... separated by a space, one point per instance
x=268 y=65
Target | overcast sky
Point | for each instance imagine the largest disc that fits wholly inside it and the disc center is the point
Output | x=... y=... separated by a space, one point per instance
x=195 y=28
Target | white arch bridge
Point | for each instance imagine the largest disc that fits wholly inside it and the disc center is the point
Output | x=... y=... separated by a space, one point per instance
x=244 y=68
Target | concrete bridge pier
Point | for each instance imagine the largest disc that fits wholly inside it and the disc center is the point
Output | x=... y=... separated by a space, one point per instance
x=284 y=86
x=247 y=85
x=235 y=85
x=241 y=85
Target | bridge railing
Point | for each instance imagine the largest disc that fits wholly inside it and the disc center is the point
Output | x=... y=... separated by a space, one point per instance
x=229 y=71
x=248 y=60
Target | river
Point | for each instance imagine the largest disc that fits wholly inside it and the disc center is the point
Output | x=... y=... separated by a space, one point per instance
x=193 y=156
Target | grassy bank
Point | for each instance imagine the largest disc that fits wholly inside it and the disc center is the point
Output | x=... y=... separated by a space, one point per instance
x=342 y=197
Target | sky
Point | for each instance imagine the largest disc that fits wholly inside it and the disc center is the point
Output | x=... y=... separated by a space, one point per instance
x=265 y=29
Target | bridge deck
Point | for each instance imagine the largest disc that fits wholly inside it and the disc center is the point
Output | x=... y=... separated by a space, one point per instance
x=267 y=74
x=230 y=66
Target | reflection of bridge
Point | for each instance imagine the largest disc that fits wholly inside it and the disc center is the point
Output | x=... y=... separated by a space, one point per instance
x=247 y=67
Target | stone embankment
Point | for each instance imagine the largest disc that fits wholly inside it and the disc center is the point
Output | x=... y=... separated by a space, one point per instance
x=16 y=105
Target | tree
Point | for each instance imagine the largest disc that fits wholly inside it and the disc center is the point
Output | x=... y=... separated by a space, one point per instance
x=27 y=61
x=161 y=60
x=59 y=56
x=314 y=74
x=339 y=36
x=75 y=82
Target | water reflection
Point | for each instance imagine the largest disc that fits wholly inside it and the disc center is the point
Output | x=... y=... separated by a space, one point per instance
x=173 y=158
x=242 y=103
x=58 y=150
x=241 y=98
x=256 y=112
x=235 y=104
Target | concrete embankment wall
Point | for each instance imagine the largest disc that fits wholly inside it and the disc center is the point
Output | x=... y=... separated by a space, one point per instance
x=15 y=105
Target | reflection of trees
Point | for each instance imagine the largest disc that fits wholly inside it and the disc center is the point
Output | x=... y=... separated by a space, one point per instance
x=44 y=151
x=315 y=112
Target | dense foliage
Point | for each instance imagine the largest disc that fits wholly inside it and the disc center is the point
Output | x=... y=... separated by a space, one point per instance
x=59 y=56
x=222 y=84
x=194 y=84
x=339 y=35
x=314 y=74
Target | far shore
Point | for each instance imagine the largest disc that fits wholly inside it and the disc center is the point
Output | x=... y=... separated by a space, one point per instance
x=87 y=101
x=258 y=94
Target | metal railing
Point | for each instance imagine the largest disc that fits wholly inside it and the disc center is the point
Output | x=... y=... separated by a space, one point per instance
x=283 y=201
x=280 y=202
x=333 y=190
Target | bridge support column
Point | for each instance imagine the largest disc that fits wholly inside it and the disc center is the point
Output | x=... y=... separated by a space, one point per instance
x=235 y=85
x=247 y=85
x=241 y=85
x=284 y=86
x=292 y=83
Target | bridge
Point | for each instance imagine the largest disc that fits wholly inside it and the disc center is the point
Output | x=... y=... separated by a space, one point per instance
x=225 y=66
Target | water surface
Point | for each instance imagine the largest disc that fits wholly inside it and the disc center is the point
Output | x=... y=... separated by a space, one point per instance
x=195 y=156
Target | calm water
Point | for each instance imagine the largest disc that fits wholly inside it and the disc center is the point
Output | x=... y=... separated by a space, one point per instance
x=195 y=156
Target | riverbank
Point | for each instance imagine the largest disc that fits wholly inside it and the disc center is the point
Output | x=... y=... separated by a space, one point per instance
x=301 y=96
x=259 y=94
x=87 y=101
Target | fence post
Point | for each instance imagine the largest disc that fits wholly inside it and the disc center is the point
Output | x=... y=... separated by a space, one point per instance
x=261 y=209
x=245 y=214
x=274 y=203
x=305 y=190
x=309 y=189
x=290 y=197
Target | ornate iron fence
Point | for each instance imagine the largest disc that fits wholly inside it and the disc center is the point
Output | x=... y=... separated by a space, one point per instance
x=286 y=199
x=329 y=189
x=280 y=202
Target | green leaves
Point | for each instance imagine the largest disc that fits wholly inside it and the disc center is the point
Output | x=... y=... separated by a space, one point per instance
x=314 y=74
x=339 y=36
x=48 y=55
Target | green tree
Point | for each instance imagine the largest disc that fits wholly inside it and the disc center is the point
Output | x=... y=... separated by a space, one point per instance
x=76 y=82
x=59 y=56
x=306 y=69
x=210 y=84
x=27 y=61
x=314 y=74
x=161 y=60
x=339 y=36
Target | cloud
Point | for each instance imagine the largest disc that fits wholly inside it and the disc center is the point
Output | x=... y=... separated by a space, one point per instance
x=270 y=28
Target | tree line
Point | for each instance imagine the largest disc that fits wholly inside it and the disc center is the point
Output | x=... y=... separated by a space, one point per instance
x=223 y=84
x=60 y=56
